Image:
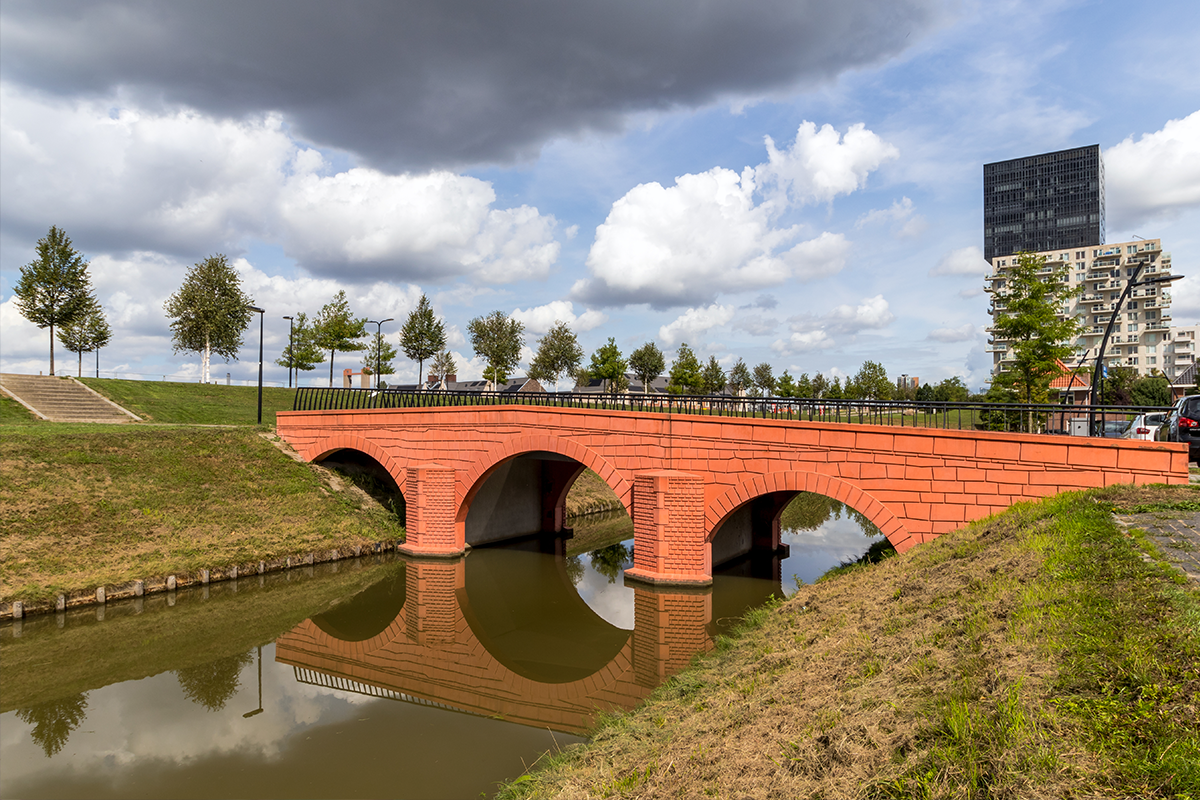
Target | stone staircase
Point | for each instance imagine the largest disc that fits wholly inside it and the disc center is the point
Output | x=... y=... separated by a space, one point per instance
x=62 y=399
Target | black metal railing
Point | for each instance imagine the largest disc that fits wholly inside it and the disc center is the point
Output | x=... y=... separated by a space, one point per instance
x=1013 y=417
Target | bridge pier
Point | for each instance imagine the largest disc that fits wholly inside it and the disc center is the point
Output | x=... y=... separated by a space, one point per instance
x=431 y=506
x=669 y=536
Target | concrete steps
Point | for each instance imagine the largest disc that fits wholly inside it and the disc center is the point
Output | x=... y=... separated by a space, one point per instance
x=62 y=399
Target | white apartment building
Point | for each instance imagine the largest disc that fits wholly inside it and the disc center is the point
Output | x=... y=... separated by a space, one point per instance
x=1179 y=352
x=1141 y=338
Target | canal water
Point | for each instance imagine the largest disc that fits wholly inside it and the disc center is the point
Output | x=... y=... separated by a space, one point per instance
x=380 y=677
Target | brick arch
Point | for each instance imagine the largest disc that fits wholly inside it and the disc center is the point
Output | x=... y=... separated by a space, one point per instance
x=347 y=649
x=487 y=461
x=348 y=441
x=794 y=481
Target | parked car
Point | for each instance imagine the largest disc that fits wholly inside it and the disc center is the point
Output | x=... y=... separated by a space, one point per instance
x=1114 y=428
x=1183 y=425
x=1145 y=426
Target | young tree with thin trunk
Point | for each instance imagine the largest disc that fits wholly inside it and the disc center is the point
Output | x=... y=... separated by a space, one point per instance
x=686 y=377
x=443 y=365
x=764 y=378
x=423 y=336
x=377 y=359
x=54 y=288
x=209 y=312
x=872 y=382
x=336 y=329
x=558 y=354
x=609 y=366
x=301 y=352
x=86 y=333
x=498 y=339
x=740 y=378
x=713 y=376
x=647 y=363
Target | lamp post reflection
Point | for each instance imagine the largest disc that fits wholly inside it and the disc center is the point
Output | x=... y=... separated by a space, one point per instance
x=258 y=710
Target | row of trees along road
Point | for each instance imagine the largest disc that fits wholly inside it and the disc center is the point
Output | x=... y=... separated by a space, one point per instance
x=55 y=291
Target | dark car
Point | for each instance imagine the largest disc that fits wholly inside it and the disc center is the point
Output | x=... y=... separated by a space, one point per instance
x=1114 y=428
x=1183 y=425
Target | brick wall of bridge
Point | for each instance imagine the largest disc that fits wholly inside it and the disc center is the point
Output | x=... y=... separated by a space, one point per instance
x=914 y=483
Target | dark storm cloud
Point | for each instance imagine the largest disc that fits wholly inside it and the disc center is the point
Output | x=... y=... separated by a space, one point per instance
x=414 y=85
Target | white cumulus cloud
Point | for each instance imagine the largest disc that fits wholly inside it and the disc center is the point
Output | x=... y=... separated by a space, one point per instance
x=695 y=321
x=815 y=332
x=963 y=261
x=962 y=333
x=539 y=319
x=1156 y=176
x=822 y=164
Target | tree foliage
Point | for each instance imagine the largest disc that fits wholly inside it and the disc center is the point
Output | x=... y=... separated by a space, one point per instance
x=443 y=365
x=336 y=329
x=1151 y=390
x=871 y=382
x=54 y=289
x=423 y=335
x=647 y=362
x=819 y=385
x=377 y=359
x=210 y=312
x=786 y=385
x=685 y=376
x=53 y=722
x=608 y=365
x=1117 y=387
x=558 y=354
x=497 y=338
x=212 y=684
x=714 y=376
x=301 y=351
x=740 y=378
x=1039 y=339
x=86 y=333
x=764 y=379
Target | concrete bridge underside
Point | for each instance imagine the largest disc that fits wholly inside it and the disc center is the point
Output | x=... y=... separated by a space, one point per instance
x=702 y=490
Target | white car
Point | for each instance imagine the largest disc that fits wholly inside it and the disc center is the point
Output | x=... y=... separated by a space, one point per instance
x=1145 y=426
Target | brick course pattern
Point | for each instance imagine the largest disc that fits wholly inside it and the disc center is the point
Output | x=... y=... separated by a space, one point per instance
x=914 y=483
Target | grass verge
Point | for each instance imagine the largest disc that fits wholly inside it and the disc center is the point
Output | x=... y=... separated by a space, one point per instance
x=1043 y=652
x=89 y=505
x=194 y=403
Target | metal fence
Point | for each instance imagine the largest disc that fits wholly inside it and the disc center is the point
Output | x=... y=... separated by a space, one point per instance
x=1038 y=418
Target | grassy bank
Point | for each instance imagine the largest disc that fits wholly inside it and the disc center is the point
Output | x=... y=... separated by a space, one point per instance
x=86 y=505
x=1040 y=653
x=194 y=403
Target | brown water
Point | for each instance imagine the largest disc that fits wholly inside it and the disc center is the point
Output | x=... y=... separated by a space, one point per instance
x=377 y=678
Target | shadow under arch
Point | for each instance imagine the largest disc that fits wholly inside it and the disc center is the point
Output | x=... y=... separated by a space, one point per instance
x=776 y=489
x=324 y=448
x=526 y=612
x=369 y=613
x=522 y=485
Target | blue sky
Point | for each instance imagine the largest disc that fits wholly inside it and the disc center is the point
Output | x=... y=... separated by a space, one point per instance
x=797 y=183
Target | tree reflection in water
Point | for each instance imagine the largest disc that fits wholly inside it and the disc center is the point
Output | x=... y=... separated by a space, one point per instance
x=809 y=511
x=609 y=561
x=213 y=683
x=53 y=722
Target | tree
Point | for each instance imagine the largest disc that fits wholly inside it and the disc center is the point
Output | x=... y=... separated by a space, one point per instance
x=378 y=357
x=1038 y=338
x=739 y=378
x=835 y=392
x=337 y=329
x=786 y=385
x=423 y=335
x=443 y=365
x=804 y=386
x=647 y=362
x=950 y=390
x=714 y=376
x=497 y=338
x=209 y=312
x=86 y=333
x=872 y=382
x=686 y=377
x=1151 y=390
x=301 y=351
x=558 y=354
x=214 y=683
x=609 y=366
x=54 y=288
x=820 y=385
x=54 y=721
x=1117 y=386
x=764 y=378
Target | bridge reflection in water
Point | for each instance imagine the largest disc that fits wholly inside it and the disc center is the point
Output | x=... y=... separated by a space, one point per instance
x=503 y=632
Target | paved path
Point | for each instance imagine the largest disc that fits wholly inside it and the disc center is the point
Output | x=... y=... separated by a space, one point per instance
x=1177 y=534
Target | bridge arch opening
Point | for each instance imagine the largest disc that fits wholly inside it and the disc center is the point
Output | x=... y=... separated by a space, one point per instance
x=368 y=613
x=368 y=474
x=524 y=609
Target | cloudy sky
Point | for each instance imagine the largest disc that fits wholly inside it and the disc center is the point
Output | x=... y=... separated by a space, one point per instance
x=793 y=182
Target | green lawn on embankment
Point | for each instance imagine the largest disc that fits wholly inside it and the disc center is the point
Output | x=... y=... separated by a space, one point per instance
x=1044 y=652
x=89 y=505
x=194 y=403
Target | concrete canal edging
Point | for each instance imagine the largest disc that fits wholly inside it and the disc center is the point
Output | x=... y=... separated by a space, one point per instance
x=101 y=595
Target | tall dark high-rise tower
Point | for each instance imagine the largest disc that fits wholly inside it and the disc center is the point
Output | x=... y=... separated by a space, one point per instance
x=1044 y=202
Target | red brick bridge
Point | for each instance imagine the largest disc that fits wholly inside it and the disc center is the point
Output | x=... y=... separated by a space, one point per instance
x=702 y=490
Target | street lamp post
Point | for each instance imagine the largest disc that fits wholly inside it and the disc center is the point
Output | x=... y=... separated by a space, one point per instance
x=291 y=350
x=260 y=313
x=379 y=345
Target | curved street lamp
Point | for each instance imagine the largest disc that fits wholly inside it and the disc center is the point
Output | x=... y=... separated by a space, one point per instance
x=379 y=345
x=291 y=350
x=260 y=313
